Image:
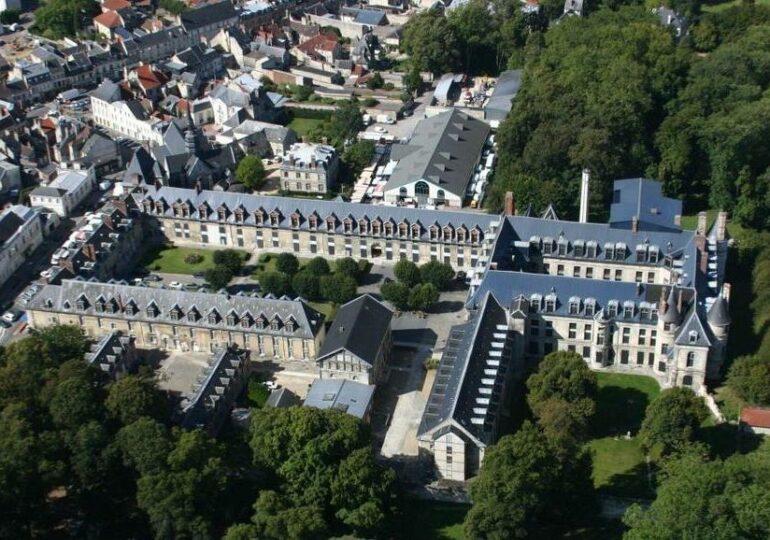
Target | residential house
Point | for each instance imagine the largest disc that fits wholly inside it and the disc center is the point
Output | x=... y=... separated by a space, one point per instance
x=755 y=420
x=66 y=191
x=21 y=232
x=358 y=343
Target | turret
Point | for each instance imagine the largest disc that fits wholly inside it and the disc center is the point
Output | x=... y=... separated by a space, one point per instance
x=719 y=318
x=670 y=312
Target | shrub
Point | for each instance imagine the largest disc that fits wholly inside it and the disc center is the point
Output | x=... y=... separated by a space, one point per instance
x=258 y=394
x=277 y=283
x=317 y=266
x=364 y=267
x=407 y=273
x=287 y=263
x=437 y=273
x=193 y=258
x=265 y=257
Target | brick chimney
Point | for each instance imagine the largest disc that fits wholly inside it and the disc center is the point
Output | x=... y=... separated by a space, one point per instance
x=510 y=204
x=702 y=223
x=721 y=225
x=634 y=224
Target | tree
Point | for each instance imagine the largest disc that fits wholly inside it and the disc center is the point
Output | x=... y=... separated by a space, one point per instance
x=437 y=273
x=251 y=172
x=706 y=499
x=175 y=7
x=64 y=18
x=10 y=16
x=144 y=445
x=396 y=293
x=287 y=263
x=132 y=397
x=276 y=283
x=423 y=296
x=231 y=259
x=338 y=289
x=358 y=156
x=431 y=43
x=347 y=266
x=672 y=419
x=563 y=375
x=521 y=490
x=345 y=123
x=749 y=378
x=75 y=401
x=306 y=285
x=407 y=273
x=275 y=519
x=476 y=34
x=218 y=277
x=412 y=81
x=317 y=266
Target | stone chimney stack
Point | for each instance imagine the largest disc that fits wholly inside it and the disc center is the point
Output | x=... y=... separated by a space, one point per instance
x=585 y=182
x=510 y=204
x=721 y=225
x=635 y=224
x=702 y=223
x=726 y=289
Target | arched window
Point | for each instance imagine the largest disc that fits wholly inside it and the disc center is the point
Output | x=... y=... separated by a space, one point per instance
x=690 y=359
x=687 y=380
x=440 y=194
x=402 y=192
x=421 y=188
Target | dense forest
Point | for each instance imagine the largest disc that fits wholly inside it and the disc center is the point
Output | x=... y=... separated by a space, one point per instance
x=617 y=92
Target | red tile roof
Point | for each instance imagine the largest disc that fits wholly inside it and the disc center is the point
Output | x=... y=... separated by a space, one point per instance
x=756 y=417
x=114 y=5
x=320 y=42
x=149 y=79
x=110 y=19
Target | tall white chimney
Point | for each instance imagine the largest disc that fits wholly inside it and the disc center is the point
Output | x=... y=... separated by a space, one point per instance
x=584 y=190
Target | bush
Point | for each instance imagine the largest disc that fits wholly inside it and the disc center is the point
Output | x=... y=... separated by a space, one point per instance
x=346 y=267
x=251 y=172
x=258 y=394
x=307 y=285
x=422 y=297
x=338 y=288
x=287 y=263
x=193 y=258
x=396 y=293
x=277 y=283
x=265 y=258
x=407 y=273
x=230 y=259
x=317 y=266
x=218 y=277
x=9 y=16
x=364 y=267
x=437 y=273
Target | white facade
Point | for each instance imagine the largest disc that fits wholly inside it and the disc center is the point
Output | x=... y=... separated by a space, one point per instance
x=65 y=192
x=424 y=190
x=118 y=117
x=21 y=242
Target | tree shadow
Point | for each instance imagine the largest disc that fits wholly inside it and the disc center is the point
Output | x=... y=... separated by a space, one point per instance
x=632 y=483
x=619 y=410
x=371 y=279
x=446 y=306
x=726 y=440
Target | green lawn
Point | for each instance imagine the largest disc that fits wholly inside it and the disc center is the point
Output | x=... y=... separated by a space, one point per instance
x=429 y=520
x=619 y=467
x=169 y=259
x=304 y=125
x=269 y=265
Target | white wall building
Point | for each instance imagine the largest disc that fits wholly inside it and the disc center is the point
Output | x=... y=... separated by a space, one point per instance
x=127 y=118
x=65 y=192
x=21 y=231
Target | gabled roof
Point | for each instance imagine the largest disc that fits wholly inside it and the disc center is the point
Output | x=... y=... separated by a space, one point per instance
x=719 y=314
x=359 y=327
x=110 y=19
x=208 y=14
x=756 y=417
x=692 y=333
x=107 y=91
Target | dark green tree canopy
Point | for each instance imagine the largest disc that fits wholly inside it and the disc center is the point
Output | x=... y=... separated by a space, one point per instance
x=251 y=172
x=407 y=273
x=672 y=420
x=287 y=263
x=749 y=378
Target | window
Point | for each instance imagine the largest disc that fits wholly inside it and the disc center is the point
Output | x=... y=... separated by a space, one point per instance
x=548 y=329
x=662 y=367
x=572 y=331
x=638 y=277
x=560 y=270
x=693 y=336
x=586 y=352
x=579 y=248
x=653 y=337
x=690 y=359
x=589 y=272
x=626 y=338
x=574 y=306
x=624 y=357
x=587 y=332
x=687 y=380
x=591 y=249
x=642 y=336
x=421 y=188
x=590 y=307
x=576 y=271
x=650 y=277
x=534 y=328
x=618 y=275
x=640 y=358
x=606 y=274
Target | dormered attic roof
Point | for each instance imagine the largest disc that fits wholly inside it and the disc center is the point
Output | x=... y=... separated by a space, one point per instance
x=444 y=150
x=692 y=333
x=359 y=327
x=208 y=14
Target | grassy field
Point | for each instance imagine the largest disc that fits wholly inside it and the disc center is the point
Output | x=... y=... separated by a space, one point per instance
x=428 y=520
x=327 y=308
x=304 y=125
x=169 y=259
x=619 y=467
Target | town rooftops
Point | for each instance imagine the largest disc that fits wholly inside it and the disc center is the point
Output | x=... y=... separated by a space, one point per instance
x=443 y=150
x=350 y=397
x=309 y=155
x=110 y=19
x=66 y=181
x=12 y=219
x=107 y=91
x=756 y=417
x=359 y=327
x=201 y=309
x=207 y=14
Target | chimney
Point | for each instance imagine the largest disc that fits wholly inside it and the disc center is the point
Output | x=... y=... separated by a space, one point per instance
x=726 y=288
x=584 y=191
x=679 y=302
x=634 y=224
x=663 y=304
x=678 y=220
x=702 y=222
x=721 y=225
x=510 y=204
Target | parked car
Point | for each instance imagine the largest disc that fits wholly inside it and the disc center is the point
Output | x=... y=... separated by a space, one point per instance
x=153 y=277
x=176 y=285
x=191 y=287
x=11 y=316
x=272 y=385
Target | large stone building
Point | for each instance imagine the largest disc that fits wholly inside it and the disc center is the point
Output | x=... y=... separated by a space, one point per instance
x=21 y=232
x=357 y=346
x=183 y=321
x=305 y=227
x=311 y=168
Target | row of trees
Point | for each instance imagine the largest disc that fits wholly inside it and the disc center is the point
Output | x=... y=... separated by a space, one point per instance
x=227 y=264
x=417 y=287
x=315 y=280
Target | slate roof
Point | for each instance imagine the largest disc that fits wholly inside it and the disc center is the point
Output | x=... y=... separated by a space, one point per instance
x=208 y=14
x=370 y=17
x=444 y=150
x=359 y=327
x=64 y=297
x=350 y=397
x=692 y=333
x=107 y=91
x=719 y=314
x=643 y=199
x=306 y=207
x=10 y=222
x=500 y=103
x=466 y=389
x=282 y=398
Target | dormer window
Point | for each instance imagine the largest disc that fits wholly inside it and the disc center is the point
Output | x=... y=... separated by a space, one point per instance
x=275 y=324
x=232 y=319
x=653 y=255
x=612 y=308
x=275 y=218
x=152 y=311
x=579 y=248
x=628 y=310
x=261 y=322
x=203 y=211
x=363 y=226
x=291 y=325
x=591 y=249
x=574 y=305
x=620 y=251
x=239 y=215
x=377 y=227
x=645 y=311
x=550 y=303
x=347 y=225
x=246 y=321
x=193 y=315
x=99 y=305
x=562 y=247
x=547 y=245
x=448 y=233
x=112 y=306
x=416 y=230
x=175 y=313
x=131 y=308
x=403 y=230
x=295 y=218
x=461 y=234
x=158 y=207
x=259 y=217
x=185 y=209
x=535 y=303
x=312 y=222
x=222 y=213
x=475 y=236
x=590 y=307
x=693 y=337
x=82 y=303
x=641 y=253
x=213 y=317
x=389 y=228
x=609 y=251
x=434 y=233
